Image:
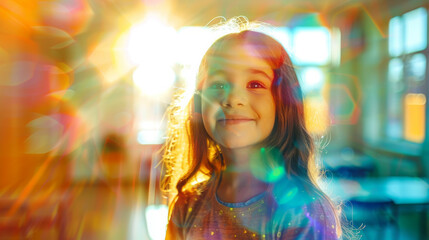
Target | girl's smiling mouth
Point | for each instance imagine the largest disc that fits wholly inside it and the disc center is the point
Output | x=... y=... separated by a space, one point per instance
x=234 y=119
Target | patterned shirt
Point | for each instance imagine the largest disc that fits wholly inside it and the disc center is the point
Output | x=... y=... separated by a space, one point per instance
x=293 y=215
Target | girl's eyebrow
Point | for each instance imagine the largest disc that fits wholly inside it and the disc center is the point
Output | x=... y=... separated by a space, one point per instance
x=251 y=70
x=216 y=72
x=257 y=71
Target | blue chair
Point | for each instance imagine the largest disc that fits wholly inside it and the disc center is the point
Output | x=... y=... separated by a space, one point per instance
x=352 y=172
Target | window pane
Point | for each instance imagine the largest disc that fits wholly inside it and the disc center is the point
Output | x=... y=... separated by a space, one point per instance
x=395 y=91
x=395 y=71
x=395 y=36
x=281 y=34
x=415 y=68
x=415 y=30
x=312 y=80
x=336 y=46
x=417 y=65
x=311 y=45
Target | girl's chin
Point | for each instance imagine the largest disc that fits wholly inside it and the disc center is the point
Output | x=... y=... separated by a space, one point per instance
x=240 y=145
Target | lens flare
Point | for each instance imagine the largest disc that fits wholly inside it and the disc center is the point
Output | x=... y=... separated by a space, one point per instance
x=267 y=165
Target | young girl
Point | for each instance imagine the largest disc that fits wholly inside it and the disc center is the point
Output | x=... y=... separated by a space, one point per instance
x=238 y=157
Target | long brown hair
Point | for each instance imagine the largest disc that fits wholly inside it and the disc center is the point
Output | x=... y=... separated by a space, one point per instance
x=191 y=156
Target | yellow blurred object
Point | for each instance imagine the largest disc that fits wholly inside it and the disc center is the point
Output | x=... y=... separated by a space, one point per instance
x=316 y=115
x=414 y=117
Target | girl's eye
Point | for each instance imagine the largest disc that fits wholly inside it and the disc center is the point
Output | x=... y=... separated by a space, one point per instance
x=255 y=84
x=218 y=85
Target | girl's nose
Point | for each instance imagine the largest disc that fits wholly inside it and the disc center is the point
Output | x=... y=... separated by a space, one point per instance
x=234 y=97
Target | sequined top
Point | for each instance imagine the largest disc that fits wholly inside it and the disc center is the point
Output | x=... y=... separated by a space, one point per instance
x=289 y=215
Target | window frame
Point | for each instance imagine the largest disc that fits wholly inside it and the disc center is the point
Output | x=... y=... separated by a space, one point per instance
x=413 y=148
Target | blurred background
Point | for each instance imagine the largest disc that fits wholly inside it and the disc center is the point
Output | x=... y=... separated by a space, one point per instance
x=84 y=86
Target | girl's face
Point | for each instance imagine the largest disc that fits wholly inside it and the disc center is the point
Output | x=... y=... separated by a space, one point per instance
x=238 y=109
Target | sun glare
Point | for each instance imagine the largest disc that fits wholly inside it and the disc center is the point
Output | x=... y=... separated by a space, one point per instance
x=154 y=80
x=151 y=47
x=152 y=41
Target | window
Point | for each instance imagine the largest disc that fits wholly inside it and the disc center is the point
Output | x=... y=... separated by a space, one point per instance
x=406 y=77
x=312 y=57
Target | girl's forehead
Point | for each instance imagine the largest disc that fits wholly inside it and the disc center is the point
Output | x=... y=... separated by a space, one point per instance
x=237 y=49
x=238 y=56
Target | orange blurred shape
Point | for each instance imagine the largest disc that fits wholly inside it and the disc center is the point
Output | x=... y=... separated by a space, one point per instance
x=414 y=117
x=317 y=115
x=17 y=17
x=16 y=20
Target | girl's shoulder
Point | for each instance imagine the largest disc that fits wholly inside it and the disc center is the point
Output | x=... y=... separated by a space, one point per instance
x=304 y=204
x=184 y=208
x=189 y=198
x=194 y=194
x=301 y=210
x=188 y=202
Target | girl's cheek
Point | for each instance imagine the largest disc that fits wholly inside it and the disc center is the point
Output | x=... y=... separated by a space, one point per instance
x=213 y=95
x=210 y=100
x=209 y=108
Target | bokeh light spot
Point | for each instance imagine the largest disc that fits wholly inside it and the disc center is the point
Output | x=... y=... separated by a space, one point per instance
x=267 y=165
x=344 y=108
x=149 y=137
x=156 y=219
x=16 y=73
x=52 y=38
x=46 y=132
x=288 y=196
x=276 y=174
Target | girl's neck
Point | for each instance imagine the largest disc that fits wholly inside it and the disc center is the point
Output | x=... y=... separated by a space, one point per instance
x=239 y=186
x=238 y=183
x=238 y=159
